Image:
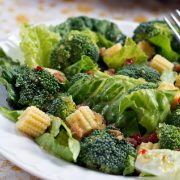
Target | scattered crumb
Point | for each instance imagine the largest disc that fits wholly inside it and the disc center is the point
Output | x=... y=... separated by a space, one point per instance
x=41 y=7
x=102 y=14
x=22 y=18
x=118 y=18
x=66 y=11
x=15 y=168
x=68 y=0
x=11 y=9
x=140 y=19
x=85 y=8
x=52 y=4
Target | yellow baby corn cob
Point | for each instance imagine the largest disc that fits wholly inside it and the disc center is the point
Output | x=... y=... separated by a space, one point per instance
x=161 y=64
x=83 y=121
x=167 y=86
x=177 y=84
x=112 y=50
x=33 y=122
x=147 y=48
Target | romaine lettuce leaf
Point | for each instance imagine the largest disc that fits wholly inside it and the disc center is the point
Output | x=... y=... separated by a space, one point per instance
x=129 y=51
x=102 y=89
x=150 y=105
x=59 y=141
x=10 y=114
x=83 y=65
x=36 y=44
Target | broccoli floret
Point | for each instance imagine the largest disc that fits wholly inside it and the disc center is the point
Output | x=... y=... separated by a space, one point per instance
x=71 y=48
x=36 y=87
x=174 y=118
x=169 y=136
x=103 y=27
x=160 y=35
x=140 y=71
x=103 y=151
x=62 y=106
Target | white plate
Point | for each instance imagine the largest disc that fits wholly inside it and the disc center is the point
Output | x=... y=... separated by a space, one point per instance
x=23 y=152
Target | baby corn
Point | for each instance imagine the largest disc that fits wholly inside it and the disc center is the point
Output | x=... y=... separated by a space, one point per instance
x=33 y=122
x=161 y=64
x=83 y=121
x=147 y=48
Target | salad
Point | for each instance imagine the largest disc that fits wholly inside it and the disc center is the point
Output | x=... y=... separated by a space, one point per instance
x=88 y=94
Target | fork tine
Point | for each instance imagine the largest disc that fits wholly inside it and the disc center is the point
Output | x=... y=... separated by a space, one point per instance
x=178 y=12
x=175 y=19
x=173 y=29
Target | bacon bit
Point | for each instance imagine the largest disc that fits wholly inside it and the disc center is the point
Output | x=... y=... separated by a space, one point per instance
x=144 y=139
x=132 y=141
x=39 y=68
x=137 y=137
x=129 y=62
x=59 y=77
x=175 y=102
x=177 y=68
x=119 y=137
x=143 y=151
x=115 y=132
x=153 y=138
x=178 y=149
x=102 y=51
x=90 y=72
x=111 y=71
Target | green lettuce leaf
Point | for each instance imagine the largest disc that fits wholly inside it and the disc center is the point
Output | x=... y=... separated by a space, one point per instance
x=101 y=90
x=168 y=76
x=151 y=107
x=59 y=141
x=10 y=114
x=83 y=65
x=36 y=44
x=129 y=51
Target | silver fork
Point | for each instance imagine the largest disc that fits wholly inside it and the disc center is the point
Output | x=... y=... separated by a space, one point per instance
x=174 y=21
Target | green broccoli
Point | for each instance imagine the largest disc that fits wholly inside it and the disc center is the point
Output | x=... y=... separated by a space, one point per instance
x=106 y=28
x=105 y=152
x=140 y=71
x=71 y=48
x=36 y=87
x=62 y=106
x=169 y=136
x=174 y=118
x=160 y=35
